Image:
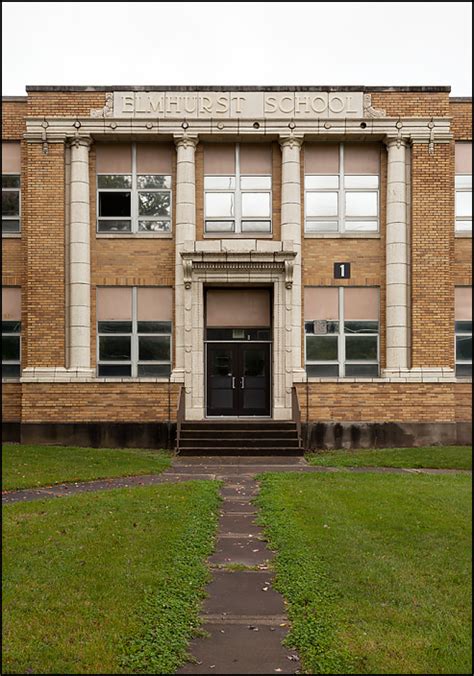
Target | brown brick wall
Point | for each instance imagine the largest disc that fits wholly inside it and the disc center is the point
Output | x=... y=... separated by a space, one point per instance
x=13 y=120
x=43 y=232
x=12 y=262
x=432 y=253
x=96 y=402
x=385 y=402
x=462 y=261
x=461 y=112
x=64 y=104
x=412 y=104
x=11 y=402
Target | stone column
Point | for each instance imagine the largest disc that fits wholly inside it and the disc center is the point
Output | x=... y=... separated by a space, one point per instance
x=397 y=259
x=185 y=232
x=79 y=282
x=291 y=234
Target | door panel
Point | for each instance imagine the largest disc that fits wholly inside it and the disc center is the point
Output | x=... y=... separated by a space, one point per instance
x=238 y=379
x=255 y=379
x=222 y=365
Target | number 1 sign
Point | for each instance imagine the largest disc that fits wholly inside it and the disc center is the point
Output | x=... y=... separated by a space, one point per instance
x=342 y=270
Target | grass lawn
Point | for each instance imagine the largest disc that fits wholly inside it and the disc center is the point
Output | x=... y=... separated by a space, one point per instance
x=108 y=582
x=376 y=570
x=441 y=457
x=32 y=466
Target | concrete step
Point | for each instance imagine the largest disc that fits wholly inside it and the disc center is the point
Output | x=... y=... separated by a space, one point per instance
x=240 y=450
x=199 y=433
x=238 y=425
x=247 y=443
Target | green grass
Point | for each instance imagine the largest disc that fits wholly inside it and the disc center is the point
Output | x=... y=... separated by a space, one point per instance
x=376 y=570
x=32 y=466
x=441 y=457
x=108 y=582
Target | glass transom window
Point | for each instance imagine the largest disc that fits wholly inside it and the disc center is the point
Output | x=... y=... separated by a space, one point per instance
x=134 y=197
x=241 y=201
x=342 y=332
x=463 y=188
x=341 y=188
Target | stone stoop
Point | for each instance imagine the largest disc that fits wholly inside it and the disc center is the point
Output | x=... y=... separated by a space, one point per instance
x=254 y=438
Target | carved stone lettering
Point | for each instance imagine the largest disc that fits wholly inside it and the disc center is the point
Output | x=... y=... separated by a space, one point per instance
x=243 y=105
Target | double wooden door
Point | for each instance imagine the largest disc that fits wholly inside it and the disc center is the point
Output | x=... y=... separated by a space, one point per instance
x=238 y=379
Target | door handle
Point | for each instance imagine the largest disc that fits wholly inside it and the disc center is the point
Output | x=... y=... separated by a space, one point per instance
x=233 y=382
x=242 y=382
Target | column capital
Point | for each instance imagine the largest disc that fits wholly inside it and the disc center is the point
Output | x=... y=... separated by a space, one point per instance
x=77 y=141
x=396 y=141
x=291 y=141
x=186 y=140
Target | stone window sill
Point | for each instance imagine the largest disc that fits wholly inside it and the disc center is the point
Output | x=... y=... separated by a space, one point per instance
x=133 y=235
x=11 y=235
x=10 y=380
x=243 y=235
x=342 y=235
x=463 y=235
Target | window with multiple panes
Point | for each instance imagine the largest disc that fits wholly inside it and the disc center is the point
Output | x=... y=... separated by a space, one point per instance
x=342 y=331
x=11 y=332
x=463 y=179
x=463 y=330
x=342 y=183
x=134 y=332
x=238 y=188
x=11 y=188
x=134 y=188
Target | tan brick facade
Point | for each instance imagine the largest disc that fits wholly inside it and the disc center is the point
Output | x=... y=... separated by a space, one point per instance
x=37 y=261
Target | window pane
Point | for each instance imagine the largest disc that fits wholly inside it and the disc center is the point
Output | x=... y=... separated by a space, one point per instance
x=464 y=348
x=318 y=182
x=114 y=204
x=256 y=226
x=321 y=348
x=114 y=348
x=318 y=327
x=464 y=181
x=10 y=348
x=219 y=204
x=154 y=348
x=463 y=204
x=219 y=182
x=10 y=203
x=322 y=226
x=115 y=327
x=361 y=347
x=322 y=370
x=463 y=226
x=114 y=181
x=11 y=327
x=321 y=203
x=114 y=226
x=10 y=226
x=362 y=226
x=154 y=327
x=10 y=181
x=11 y=370
x=219 y=226
x=361 y=327
x=153 y=181
x=464 y=370
x=154 y=370
x=154 y=226
x=154 y=203
x=361 y=203
x=256 y=182
x=256 y=204
x=115 y=370
x=362 y=370
x=461 y=326
x=361 y=181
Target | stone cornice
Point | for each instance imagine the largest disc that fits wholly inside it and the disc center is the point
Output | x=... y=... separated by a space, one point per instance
x=417 y=130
